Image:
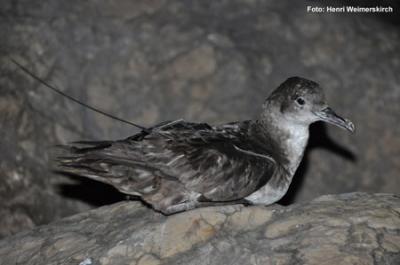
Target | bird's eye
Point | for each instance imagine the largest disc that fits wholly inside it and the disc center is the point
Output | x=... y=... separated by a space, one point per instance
x=300 y=101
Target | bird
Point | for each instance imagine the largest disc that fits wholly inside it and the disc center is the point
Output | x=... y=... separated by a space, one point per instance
x=178 y=165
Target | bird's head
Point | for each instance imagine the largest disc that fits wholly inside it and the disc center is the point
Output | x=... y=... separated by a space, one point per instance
x=301 y=101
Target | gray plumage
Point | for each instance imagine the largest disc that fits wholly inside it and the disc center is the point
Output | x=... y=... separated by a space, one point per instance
x=177 y=166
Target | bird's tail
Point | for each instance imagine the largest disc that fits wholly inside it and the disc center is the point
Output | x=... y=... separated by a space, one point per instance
x=107 y=162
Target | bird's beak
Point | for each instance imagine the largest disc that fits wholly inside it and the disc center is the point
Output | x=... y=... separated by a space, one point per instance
x=328 y=115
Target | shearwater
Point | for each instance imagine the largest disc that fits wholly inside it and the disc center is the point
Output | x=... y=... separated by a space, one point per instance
x=178 y=165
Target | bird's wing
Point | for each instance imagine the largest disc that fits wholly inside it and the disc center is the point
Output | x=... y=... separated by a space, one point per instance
x=221 y=163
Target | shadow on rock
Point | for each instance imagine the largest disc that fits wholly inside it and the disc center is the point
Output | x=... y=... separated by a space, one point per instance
x=92 y=192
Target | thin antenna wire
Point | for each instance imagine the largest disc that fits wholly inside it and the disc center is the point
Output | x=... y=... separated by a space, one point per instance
x=72 y=98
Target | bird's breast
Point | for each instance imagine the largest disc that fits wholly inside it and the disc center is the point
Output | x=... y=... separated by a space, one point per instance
x=268 y=194
x=294 y=150
x=292 y=141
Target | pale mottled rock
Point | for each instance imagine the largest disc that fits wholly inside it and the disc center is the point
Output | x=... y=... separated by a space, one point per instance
x=363 y=237
x=331 y=254
x=128 y=233
x=289 y=225
x=249 y=218
x=182 y=231
x=391 y=242
x=148 y=260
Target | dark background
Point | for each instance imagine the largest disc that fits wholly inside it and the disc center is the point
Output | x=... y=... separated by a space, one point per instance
x=206 y=61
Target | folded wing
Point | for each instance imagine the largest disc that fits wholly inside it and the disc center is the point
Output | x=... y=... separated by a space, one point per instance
x=176 y=162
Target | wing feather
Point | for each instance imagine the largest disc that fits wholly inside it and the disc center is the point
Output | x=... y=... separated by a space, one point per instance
x=220 y=163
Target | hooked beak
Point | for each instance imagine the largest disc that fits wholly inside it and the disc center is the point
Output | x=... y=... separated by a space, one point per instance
x=328 y=115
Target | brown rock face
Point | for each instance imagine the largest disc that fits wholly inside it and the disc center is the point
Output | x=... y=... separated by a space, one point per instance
x=201 y=60
x=354 y=228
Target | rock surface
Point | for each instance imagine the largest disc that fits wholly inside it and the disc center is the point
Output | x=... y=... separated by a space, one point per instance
x=354 y=228
x=202 y=60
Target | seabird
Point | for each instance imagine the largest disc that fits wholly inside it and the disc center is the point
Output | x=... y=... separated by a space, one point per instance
x=177 y=165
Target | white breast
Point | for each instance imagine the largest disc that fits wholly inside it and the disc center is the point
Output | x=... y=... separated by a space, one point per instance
x=294 y=145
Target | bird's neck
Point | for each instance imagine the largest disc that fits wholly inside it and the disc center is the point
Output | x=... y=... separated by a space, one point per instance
x=290 y=139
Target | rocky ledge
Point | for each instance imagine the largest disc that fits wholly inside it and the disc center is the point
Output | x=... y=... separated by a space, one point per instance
x=354 y=228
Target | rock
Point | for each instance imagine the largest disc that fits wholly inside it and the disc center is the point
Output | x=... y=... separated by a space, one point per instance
x=129 y=233
x=207 y=61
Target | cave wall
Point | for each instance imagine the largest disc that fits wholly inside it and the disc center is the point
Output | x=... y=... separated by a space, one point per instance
x=206 y=61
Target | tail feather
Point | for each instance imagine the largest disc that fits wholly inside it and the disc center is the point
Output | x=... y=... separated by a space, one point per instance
x=105 y=162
